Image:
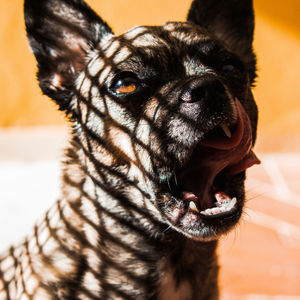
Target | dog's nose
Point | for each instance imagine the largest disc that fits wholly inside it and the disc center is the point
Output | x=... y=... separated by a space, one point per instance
x=199 y=89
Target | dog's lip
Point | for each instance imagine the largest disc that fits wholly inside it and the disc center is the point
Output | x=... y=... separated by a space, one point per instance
x=229 y=155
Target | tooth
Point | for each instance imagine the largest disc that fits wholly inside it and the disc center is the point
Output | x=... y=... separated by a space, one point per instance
x=193 y=207
x=232 y=203
x=226 y=205
x=220 y=197
x=226 y=130
x=218 y=211
x=208 y=211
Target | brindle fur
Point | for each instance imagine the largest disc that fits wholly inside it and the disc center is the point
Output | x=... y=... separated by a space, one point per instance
x=110 y=236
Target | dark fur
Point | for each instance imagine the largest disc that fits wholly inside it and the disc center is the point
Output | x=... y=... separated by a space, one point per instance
x=126 y=148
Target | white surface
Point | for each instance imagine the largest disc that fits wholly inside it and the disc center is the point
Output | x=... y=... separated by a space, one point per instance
x=27 y=190
x=30 y=171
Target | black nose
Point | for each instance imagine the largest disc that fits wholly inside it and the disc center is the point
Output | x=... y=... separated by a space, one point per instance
x=201 y=88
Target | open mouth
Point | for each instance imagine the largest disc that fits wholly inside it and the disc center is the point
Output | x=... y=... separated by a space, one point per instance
x=205 y=195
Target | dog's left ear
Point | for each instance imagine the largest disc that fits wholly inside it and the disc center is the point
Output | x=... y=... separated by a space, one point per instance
x=61 y=33
x=231 y=21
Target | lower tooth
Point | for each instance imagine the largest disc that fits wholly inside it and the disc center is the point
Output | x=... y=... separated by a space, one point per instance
x=220 y=197
x=220 y=207
x=231 y=204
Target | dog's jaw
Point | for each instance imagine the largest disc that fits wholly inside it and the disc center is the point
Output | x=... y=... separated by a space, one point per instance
x=198 y=201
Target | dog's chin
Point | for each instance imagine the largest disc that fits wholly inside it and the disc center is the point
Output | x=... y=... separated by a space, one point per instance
x=221 y=214
x=204 y=198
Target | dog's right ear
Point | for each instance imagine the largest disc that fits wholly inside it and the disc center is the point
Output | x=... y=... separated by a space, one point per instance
x=60 y=33
x=232 y=21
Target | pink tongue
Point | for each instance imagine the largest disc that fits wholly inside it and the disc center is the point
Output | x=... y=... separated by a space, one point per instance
x=235 y=152
x=248 y=161
x=232 y=154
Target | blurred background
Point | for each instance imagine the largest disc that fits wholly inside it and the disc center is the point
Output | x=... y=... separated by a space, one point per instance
x=261 y=259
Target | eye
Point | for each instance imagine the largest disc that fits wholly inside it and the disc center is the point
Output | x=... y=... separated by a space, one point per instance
x=232 y=69
x=228 y=70
x=125 y=85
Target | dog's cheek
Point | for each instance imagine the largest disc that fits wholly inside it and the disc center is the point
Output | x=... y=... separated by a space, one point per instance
x=181 y=132
x=122 y=143
x=163 y=135
x=150 y=128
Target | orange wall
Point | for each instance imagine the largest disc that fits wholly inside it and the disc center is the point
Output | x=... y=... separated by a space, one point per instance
x=277 y=43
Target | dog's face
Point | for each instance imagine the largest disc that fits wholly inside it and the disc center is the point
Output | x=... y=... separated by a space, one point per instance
x=164 y=115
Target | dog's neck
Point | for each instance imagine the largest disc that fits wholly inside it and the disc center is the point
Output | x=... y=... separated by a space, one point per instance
x=93 y=241
x=117 y=242
x=190 y=271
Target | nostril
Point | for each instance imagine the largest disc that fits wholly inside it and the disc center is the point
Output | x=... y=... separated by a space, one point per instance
x=193 y=94
x=202 y=88
x=198 y=94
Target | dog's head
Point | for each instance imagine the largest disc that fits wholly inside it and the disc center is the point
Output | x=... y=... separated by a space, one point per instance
x=165 y=113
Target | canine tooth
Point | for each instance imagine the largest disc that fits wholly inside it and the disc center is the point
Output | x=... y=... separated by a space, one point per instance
x=193 y=207
x=232 y=203
x=226 y=130
x=229 y=206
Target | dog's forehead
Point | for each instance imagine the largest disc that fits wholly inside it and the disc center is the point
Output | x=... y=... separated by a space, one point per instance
x=154 y=47
x=169 y=38
x=168 y=33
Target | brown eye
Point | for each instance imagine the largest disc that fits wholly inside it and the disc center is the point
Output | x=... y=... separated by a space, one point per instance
x=125 y=86
x=228 y=70
x=232 y=69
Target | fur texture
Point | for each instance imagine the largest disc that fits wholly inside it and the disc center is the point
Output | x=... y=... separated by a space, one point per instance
x=163 y=124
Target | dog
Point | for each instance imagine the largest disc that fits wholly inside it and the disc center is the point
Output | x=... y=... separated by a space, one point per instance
x=163 y=127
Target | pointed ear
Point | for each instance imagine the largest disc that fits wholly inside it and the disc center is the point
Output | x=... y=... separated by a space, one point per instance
x=60 y=33
x=232 y=21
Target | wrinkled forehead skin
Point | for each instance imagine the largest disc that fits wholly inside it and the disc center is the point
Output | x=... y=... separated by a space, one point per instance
x=166 y=47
